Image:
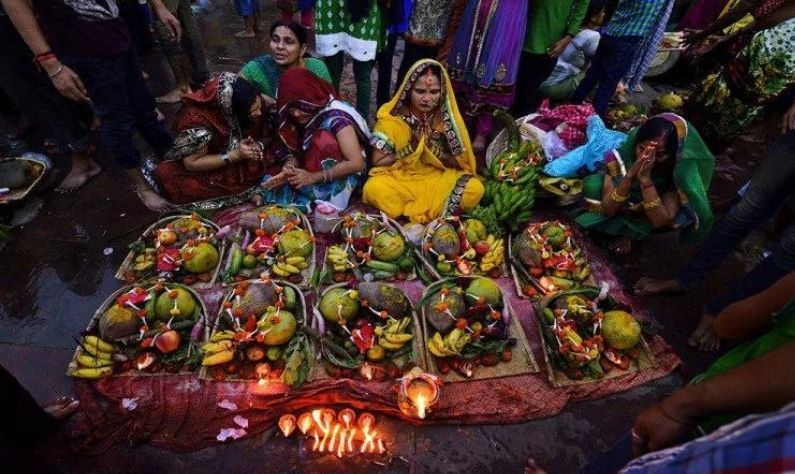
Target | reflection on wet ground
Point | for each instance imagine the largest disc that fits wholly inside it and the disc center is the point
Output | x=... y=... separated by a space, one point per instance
x=54 y=274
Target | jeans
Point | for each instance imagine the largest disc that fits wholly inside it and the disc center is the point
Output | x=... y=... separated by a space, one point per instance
x=412 y=54
x=362 y=71
x=123 y=104
x=772 y=184
x=33 y=94
x=384 y=89
x=534 y=69
x=189 y=47
x=612 y=61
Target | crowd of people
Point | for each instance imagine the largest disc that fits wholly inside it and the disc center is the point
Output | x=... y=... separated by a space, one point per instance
x=278 y=131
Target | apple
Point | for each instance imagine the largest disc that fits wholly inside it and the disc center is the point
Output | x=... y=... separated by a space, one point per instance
x=167 y=341
x=481 y=248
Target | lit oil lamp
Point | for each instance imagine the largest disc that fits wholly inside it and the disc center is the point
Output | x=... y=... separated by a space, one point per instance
x=339 y=434
x=287 y=424
x=419 y=391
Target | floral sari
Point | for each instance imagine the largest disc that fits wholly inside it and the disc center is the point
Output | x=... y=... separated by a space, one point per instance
x=315 y=144
x=418 y=185
x=206 y=123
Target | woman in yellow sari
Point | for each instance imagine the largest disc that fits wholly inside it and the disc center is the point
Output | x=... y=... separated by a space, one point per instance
x=423 y=165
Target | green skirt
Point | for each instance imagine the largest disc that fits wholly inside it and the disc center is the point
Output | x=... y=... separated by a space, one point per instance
x=620 y=225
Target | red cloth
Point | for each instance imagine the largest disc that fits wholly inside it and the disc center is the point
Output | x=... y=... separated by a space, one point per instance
x=201 y=109
x=302 y=90
x=575 y=118
x=181 y=412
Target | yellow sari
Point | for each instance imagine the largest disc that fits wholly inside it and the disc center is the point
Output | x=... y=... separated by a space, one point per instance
x=418 y=185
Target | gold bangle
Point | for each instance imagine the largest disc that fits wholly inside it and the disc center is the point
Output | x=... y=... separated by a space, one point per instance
x=617 y=197
x=657 y=202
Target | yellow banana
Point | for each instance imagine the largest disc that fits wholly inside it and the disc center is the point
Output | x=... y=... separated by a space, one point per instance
x=438 y=349
x=222 y=336
x=452 y=338
x=294 y=260
x=98 y=343
x=291 y=268
x=398 y=338
x=404 y=323
x=490 y=240
x=302 y=264
x=92 y=362
x=278 y=271
x=96 y=352
x=341 y=268
x=92 y=373
x=214 y=347
x=390 y=346
x=218 y=358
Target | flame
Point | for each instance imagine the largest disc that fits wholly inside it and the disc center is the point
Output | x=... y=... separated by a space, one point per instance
x=336 y=433
x=333 y=437
x=381 y=447
x=421 y=404
x=341 y=443
x=347 y=417
x=287 y=424
x=350 y=440
x=305 y=422
x=262 y=382
x=317 y=441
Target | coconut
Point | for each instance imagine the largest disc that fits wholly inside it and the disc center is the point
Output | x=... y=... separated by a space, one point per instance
x=384 y=297
x=414 y=232
x=445 y=241
x=487 y=289
x=526 y=250
x=118 y=321
x=275 y=217
x=339 y=303
x=388 y=246
x=295 y=243
x=669 y=101
x=256 y=299
x=435 y=312
x=278 y=327
x=200 y=259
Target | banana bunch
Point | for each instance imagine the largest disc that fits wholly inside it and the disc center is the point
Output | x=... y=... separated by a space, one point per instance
x=495 y=256
x=145 y=260
x=96 y=359
x=216 y=353
x=451 y=345
x=289 y=266
x=337 y=257
x=222 y=336
x=392 y=336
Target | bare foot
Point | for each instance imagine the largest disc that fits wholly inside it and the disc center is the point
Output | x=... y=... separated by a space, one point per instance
x=249 y=220
x=704 y=338
x=62 y=408
x=152 y=200
x=657 y=286
x=172 y=97
x=245 y=34
x=160 y=116
x=479 y=144
x=83 y=169
x=620 y=246
x=532 y=467
x=144 y=75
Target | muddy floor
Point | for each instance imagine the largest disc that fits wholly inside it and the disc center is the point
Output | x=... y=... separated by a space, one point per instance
x=59 y=267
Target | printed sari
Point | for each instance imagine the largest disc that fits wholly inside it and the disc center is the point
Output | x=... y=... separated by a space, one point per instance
x=418 y=185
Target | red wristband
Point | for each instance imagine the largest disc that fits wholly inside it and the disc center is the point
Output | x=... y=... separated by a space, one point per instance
x=46 y=56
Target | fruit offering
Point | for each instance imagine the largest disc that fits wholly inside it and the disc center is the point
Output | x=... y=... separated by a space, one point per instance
x=467 y=325
x=511 y=176
x=367 y=330
x=462 y=246
x=258 y=335
x=150 y=330
x=283 y=246
x=184 y=249
x=371 y=247
x=625 y=117
x=587 y=335
x=545 y=260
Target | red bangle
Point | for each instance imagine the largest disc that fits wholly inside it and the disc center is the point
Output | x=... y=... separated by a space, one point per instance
x=46 y=56
x=650 y=184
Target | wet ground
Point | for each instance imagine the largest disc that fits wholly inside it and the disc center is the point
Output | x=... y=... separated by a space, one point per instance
x=58 y=268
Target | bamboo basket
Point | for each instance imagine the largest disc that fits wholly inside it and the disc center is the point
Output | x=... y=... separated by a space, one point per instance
x=300 y=314
x=22 y=193
x=129 y=261
x=559 y=379
x=306 y=274
x=417 y=353
x=522 y=363
x=93 y=328
x=526 y=132
x=390 y=224
x=519 y=278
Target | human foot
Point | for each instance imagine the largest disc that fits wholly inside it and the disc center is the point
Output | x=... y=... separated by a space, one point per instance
x=83 y=169
x=152 y=200
x=160 y=116
x=172 y=97
x=620 y=246
x=704 y=338
x=532 y=467
x=657 y=286
x=479 y=144
x=62 y=408
x=245 y=34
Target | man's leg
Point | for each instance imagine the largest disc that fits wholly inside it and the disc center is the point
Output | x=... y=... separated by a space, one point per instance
x=334 y=65
x=614 y=67
x=176 y=56
x=191 y=41
x=384 y=88
x=595 y=72
x=362 y=73
x=143 y=107
x=534 y=69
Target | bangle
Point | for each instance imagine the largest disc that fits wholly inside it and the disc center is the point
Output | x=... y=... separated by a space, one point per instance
x=647 y=185
x=58 y=71
x=226 y=158
x=45 y=56
x=657 y=202
x=674 y=418
x=617 y=197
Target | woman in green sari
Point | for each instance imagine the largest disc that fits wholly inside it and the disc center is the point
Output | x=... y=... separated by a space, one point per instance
x=657 y=180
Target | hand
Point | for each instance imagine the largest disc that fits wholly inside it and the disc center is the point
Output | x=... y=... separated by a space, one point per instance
x=557 y=49
x=278 y=180
x=171 y=22
x=694 y=37
x=249 y=150
x=644 y=172
x=66 y=81
x=301 y=177
x=653 y=430
x=788 y=121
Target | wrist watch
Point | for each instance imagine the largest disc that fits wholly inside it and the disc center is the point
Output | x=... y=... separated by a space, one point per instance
x=226 y=159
